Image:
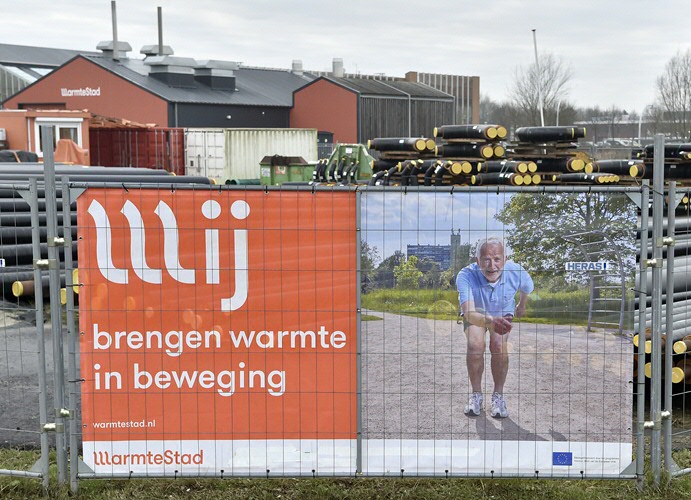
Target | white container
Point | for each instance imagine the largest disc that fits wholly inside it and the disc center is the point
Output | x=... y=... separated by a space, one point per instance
x=235 y=153
x=246 y=147
x=205 y=152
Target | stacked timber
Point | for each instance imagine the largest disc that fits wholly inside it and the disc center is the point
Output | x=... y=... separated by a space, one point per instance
x=400 y=159
x=468 y=146
x=16 y=250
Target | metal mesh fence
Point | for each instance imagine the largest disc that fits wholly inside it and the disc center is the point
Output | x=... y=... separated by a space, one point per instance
x=185 y=370
x=338 y=331
x=24 y=363
x=678 y=371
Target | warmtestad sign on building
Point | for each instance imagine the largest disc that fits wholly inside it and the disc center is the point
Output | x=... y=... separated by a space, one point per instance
x=218 y=331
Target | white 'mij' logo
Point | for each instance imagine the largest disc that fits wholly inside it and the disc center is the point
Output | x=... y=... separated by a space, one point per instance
x=210 y=209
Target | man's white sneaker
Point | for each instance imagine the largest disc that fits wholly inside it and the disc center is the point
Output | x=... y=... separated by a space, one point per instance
x=474 y=406
x=498 y=406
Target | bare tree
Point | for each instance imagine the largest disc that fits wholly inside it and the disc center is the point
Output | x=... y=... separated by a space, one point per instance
x=613 y=116
x=654 y=118
x=552 y=80
x=674 y=94
x=503 y=112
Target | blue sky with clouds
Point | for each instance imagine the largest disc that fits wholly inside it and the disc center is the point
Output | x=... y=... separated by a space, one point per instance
x=390 y=221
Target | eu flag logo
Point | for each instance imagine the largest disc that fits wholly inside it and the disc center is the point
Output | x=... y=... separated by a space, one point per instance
x=562 y=458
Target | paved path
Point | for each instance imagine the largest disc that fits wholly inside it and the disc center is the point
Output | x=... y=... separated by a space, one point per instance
x=563 y=383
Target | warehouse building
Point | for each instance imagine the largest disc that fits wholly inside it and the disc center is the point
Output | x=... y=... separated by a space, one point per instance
x=357 y=109
x=173 y=93
x=22 y=65
x=170 y=91
x=165 y=90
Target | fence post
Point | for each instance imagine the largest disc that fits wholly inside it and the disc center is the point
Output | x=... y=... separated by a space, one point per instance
x=669 y=329
x=40 y=333
x=640 y=353
x=656 y=335
x=55 y=308
x=358 y=352
x=72 y=334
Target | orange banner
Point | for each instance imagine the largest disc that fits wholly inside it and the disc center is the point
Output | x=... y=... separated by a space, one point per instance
x=209 y=315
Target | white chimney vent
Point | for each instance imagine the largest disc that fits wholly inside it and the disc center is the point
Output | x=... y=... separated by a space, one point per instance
x=338 y=67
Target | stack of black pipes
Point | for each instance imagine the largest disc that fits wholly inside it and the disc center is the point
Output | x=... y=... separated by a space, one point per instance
x=401 y=161
x=677 y=162
x=622 y=171
x=551 y=154
x=16 y=249
x=676 y=296
x=469 y=148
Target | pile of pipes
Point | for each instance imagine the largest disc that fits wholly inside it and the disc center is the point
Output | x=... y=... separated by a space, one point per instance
x=16 y=251
x=552 y=157
x=480 y=155
x=468 y=146
x=681 y=357
x=402 y=161
x=676 y=296
x=558 y=161
x=677 y=163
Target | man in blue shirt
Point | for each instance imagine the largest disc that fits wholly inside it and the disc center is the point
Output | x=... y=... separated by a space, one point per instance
x=487 y=296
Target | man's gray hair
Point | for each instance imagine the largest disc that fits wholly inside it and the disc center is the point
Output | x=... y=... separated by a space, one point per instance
x=493 y=240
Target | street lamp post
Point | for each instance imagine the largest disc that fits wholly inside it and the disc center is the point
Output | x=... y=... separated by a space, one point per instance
x=539 y=82
x=640 y=120
x=558 y=106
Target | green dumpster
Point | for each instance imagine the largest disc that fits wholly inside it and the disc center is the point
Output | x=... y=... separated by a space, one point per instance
x=275 y=170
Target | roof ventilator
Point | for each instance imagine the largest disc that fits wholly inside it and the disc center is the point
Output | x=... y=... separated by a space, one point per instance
x=219 y=75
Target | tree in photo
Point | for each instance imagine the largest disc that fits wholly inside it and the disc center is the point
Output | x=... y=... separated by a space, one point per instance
x=538 y=226
x=431 y=273
x=407 y=274
x=369 y=257
x=383 y=275
x=674 y=95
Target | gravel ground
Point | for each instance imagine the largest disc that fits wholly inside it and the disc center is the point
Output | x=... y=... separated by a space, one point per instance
x=563 y=384
x=19 y=377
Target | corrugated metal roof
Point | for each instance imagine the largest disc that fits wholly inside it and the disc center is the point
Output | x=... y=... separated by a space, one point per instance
x=24 y=55
x=254 y=86
x=390 y=88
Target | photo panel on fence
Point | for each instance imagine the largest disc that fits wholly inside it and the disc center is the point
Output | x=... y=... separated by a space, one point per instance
x=496 y=332
x=219 y=332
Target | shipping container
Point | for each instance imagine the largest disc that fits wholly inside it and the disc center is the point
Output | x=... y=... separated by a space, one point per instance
x=244 y=149
x=205 y=152
x=155 y=147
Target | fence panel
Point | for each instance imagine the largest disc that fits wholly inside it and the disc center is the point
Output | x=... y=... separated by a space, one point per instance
x=525 y=391
x=220 y=332
x=23 y=343
x=221 y=327
x=677 y=301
